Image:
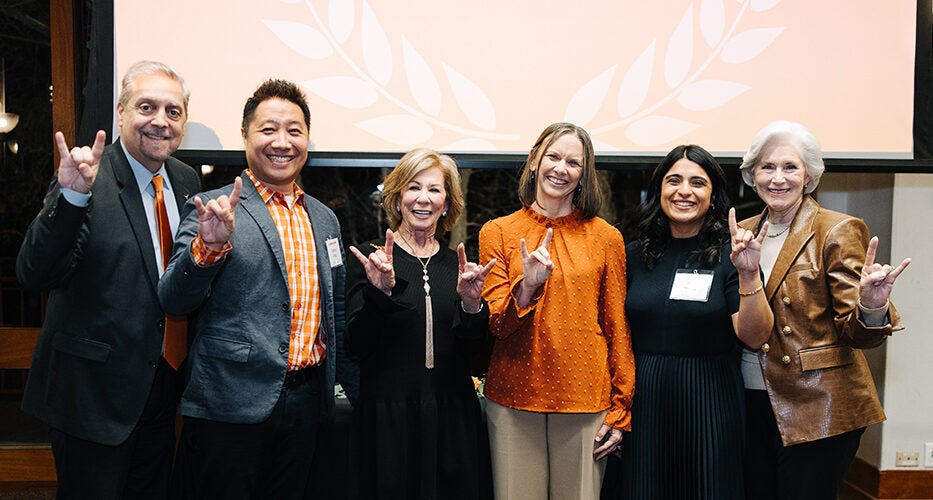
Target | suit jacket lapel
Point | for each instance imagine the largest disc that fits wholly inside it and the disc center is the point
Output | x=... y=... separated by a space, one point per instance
x=253 y=204
x=133 y=206
x=800 y=232
x=182 y=192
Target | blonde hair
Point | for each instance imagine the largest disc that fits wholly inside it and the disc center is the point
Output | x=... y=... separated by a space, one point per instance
x=413 y=163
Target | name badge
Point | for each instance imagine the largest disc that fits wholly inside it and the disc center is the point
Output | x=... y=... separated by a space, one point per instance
x=333 y=253
x=692 y=284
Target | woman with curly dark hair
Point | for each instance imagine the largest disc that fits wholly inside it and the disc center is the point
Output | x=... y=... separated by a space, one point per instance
x=693 y=296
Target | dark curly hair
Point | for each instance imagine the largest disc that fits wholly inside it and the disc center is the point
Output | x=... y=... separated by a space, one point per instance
x=653 y=232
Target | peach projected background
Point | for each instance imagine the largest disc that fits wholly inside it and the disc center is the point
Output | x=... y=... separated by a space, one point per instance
x=488 y=75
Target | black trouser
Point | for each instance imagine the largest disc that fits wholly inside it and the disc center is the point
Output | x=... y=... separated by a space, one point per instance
x=139 y=468
x=269 y=459
x=806 y=471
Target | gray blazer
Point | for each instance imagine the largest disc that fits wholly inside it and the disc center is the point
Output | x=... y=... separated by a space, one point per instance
x=238 y=340
x=101 y=340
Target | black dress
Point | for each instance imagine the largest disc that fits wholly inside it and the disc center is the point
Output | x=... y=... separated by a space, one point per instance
x=417 y=432
x=687 y=420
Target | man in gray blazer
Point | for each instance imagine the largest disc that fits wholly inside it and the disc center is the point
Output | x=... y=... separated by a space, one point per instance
x=261 y=264
x=98 y=377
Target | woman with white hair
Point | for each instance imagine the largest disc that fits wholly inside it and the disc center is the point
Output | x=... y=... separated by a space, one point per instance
x=809 y=392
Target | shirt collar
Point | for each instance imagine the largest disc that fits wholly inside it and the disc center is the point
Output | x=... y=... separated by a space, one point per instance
x=144 y=176
x=268 y=194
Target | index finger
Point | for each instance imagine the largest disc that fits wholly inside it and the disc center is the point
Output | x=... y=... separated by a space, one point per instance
x=63 y=150
x=98 y=148
x=872 y=249
x=461 y=257
x=235 y=194
x=547 y=238
x=733 y=227
x=390 y=244
x=524 y=248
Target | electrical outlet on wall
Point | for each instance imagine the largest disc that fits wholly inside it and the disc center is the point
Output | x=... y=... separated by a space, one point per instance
x=907 y=459
x=928 y=455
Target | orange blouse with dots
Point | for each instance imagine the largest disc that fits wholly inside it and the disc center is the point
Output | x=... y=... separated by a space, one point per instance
x=570 y=350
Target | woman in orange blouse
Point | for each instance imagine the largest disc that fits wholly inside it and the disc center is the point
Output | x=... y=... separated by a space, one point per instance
x=561 y=375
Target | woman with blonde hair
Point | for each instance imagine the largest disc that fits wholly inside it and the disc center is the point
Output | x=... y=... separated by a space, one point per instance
x=415 y=314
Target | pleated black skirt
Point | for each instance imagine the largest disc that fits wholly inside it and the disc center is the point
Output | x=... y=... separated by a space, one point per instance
x=687 y=431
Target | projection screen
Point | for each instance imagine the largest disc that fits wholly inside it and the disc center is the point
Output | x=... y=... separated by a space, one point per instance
x=488 y=76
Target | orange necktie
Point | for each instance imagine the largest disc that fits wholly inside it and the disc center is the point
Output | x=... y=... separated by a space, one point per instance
x=175 y=344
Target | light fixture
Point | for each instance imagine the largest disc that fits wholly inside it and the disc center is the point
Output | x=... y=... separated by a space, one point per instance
x=8 y=121
x=207 y=169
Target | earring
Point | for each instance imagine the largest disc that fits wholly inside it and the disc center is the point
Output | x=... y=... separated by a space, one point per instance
x=444 y=214
x=398 y=208
x=533 y=175
x=579 y=189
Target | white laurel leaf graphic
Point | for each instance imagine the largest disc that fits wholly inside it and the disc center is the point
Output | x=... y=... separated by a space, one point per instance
x=637 y=81
x=377 y=54
x=589 y=99
x=748 y=44
x=712 y=21
x=401 y=130
x=470 y=144
x=301 y=38
x=347 y=91
x=679 y=55
x=421 y=81
x=763 y=5
x=709 y=94
x=655 y=130
x=604 y=146
x=474 y=103
x=340 y=19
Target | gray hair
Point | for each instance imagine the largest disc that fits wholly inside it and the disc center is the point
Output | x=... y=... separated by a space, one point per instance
x=148 y=68
x=791 y=134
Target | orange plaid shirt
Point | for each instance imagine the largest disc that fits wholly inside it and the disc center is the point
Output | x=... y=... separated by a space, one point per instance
x=305 y=347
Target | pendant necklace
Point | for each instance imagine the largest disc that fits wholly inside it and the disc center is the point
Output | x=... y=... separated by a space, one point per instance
x=428 y=308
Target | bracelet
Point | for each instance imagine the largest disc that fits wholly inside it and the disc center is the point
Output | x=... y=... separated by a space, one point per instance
x=753 y=292
x=472 y=312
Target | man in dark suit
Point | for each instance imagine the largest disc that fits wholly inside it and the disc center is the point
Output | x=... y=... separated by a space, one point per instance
x=98 y=377
x=262 y=264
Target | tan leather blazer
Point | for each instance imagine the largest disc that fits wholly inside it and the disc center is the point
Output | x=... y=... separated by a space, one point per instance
x=817 y=377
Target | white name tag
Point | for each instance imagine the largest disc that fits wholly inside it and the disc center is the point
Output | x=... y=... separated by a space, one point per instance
x=333 y=253
x=692 y=284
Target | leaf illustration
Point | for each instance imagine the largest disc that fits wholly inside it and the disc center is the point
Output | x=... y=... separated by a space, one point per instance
x=709 y=94
x=402 y=130
x=586 y=102
x=679 y=51
x=421 y=81
x=656 y=130
x=376 y=51
x=712 y=21
x=762 y=5
x=637 y=81
x=748 y=44
x=347 y=91
x=470 y=144
x=301 y=38
x=472 y=100
x=340 y=18
x=604 y=146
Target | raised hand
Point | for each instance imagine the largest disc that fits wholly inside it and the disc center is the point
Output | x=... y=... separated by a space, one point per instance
x=216 y=219
x=877 y=279
x=470 y=280
x=537 y=265
x=746 y=247
x=77 y=169
x=379 y=269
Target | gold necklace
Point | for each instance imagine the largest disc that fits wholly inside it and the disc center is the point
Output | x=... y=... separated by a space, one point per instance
x=412 y=247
